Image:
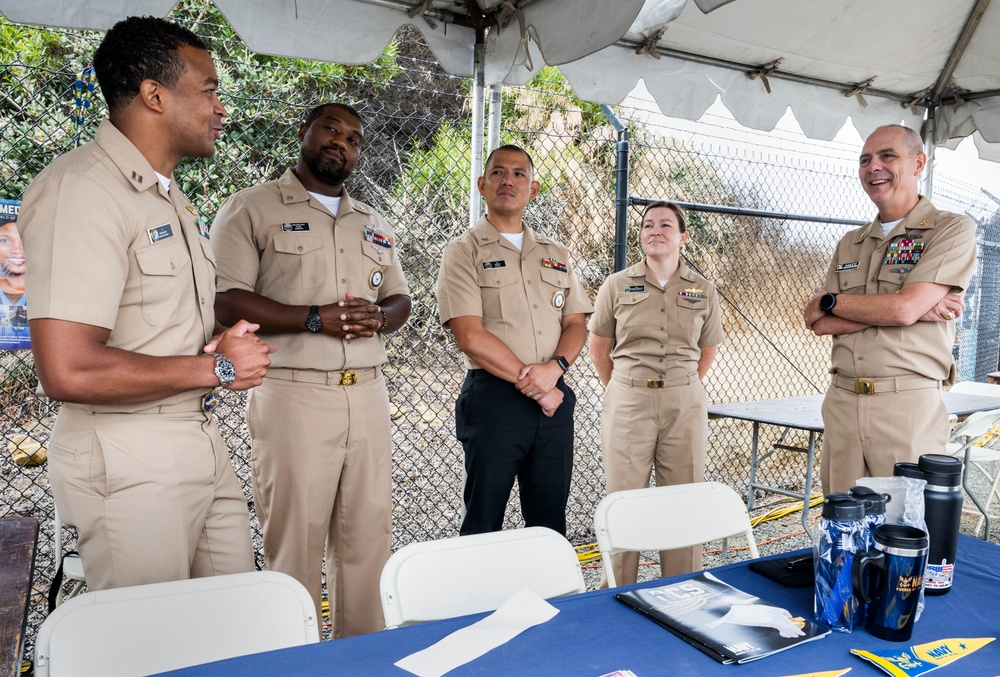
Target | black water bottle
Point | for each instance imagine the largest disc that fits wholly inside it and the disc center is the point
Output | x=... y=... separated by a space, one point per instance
x=943 y=513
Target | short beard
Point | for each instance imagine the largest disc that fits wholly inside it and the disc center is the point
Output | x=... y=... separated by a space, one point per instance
x=326 y=170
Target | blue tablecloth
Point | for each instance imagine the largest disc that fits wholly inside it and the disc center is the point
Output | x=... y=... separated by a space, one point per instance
x=594 y=634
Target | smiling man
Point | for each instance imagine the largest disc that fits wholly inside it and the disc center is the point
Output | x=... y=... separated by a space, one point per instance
x=517 y=310
x=320 y=273
x=890 y=300
x=121 y=284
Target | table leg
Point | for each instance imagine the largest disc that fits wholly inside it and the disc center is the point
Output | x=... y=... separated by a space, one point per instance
x=753 y=464
x=965 y=484
x=807 y=491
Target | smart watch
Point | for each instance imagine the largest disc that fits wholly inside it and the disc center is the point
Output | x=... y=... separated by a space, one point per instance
x=224 y=369
x=561 y=361
x=314 y=322
x=827 y=302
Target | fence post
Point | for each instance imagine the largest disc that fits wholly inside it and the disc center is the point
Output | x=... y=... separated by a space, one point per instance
x=621 y=188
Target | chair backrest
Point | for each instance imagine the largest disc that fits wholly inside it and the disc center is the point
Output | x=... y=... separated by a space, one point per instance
x=470 y=574
x=145 y=629
x=665 y=518
x=977 y=388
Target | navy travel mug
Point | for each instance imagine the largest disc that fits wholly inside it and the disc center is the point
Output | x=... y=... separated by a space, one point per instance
x=841 y=536
x=894 y=570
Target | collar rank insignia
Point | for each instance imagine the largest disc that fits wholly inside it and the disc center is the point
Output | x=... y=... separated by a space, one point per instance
x=904 y=251
x=378 y=238
x=693 y=293
x=635 y=287
x=554 y=265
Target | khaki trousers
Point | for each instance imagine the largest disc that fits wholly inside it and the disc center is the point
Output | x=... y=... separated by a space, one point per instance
x=322 y=475
x=662 y=429
x=865 y=435
x=153 y=496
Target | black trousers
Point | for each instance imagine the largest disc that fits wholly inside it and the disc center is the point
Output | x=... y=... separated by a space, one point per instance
x=505 y=436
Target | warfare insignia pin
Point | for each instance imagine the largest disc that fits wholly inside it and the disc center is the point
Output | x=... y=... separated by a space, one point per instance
x=375 y=279
x=558 y=300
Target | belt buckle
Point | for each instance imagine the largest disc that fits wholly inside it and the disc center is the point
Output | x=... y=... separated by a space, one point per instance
x=348 y=378
x=864 y=387
x=209 y=401
x=654 y=383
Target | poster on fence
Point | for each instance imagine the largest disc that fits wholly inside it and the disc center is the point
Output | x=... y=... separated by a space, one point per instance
x=13 y=300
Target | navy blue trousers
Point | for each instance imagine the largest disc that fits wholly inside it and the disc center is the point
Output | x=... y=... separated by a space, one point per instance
x=506 y=436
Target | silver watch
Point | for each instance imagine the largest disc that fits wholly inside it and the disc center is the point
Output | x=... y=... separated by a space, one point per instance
x=224 y=369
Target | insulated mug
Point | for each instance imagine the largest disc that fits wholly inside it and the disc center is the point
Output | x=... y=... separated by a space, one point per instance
x=894 y=583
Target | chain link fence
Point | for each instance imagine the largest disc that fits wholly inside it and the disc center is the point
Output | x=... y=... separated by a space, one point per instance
x=415 y=169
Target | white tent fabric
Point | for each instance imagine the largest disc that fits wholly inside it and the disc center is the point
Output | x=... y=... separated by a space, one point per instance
x=829 y=60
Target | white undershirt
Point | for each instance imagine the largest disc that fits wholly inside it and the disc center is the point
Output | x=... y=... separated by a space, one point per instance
x=887 y=227
x=164 y=181
x=332 y=204
x=516 y=239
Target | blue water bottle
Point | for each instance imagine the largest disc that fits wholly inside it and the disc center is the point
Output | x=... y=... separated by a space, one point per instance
x=841 y=536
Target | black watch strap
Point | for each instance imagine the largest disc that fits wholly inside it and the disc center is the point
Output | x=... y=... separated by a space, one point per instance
x=314 y=322
x=562 y=362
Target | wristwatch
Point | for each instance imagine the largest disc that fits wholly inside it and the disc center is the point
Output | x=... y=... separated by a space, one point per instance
x=561 y=361
x=224 y=369
x=314 y=322
x=827 y=302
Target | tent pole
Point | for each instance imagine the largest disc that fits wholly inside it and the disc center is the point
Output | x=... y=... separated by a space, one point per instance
x=621 y=188
x=930 y=131
x=478 y=113
x=496 y=114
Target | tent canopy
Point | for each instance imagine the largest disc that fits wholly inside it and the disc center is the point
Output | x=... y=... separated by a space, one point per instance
x=828 y=60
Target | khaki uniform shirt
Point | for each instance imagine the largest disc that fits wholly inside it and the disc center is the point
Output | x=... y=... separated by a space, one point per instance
x=278 y=241
x=928 y=245
x=109 y=248
x=522 y=296
x=659 y=331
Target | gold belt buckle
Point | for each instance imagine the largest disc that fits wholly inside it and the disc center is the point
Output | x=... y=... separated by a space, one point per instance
x=864 y=387
x=654 y=383
x=348 y=378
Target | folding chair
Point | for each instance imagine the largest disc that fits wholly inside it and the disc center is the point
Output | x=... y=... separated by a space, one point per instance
x=666 y=518
x=976 y=440
x=66 y=566
x=146 y=629
x=470 y=574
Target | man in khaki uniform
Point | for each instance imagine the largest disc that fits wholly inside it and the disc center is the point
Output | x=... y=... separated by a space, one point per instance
x=517 y=310
x=121 y=282
x=320 y=273
x=890 y=300
x=654 y=334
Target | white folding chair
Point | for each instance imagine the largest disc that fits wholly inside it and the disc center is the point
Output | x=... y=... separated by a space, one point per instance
x=469 y=574
x=976 y=441
x=976 y=388
x=72 y=565
x=665 y=518
x=146 y=629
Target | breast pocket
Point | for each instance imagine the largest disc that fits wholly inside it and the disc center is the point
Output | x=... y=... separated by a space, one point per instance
x=851 y=279
x=300 y=260
x=555 y=288
x=168 y=296
x=501 y=293
x=630 y=311
x=374 y=260
x=891 y=277
x=691 y=311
